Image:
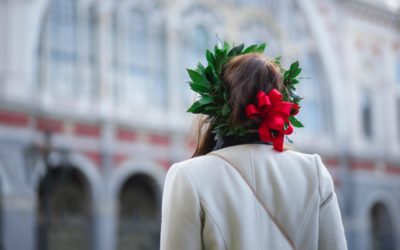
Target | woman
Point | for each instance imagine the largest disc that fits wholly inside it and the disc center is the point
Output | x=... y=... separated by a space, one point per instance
x=242 y=190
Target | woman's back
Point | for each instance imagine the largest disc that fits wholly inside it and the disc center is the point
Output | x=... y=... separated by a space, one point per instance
x=251 y=197
x=238 y=192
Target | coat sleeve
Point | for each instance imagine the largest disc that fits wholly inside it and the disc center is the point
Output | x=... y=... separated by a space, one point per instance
x=331 y=232
x=181 y=222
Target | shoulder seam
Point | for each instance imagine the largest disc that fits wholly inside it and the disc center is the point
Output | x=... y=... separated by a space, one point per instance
x=306 y=218
x=190 y=180
x=216 y=224
x=317 y=166
x=203 y=204
x=329 y=196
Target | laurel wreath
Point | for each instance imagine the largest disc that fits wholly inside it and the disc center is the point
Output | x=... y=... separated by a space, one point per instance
x=213 y=95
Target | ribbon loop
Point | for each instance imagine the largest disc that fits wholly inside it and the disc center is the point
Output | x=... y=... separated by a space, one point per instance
x=274 y=114
x=263 y=101
x=252 y=111
x=275 y=96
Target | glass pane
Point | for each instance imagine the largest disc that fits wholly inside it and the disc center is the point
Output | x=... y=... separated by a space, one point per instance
x=397 y=72
x=312 y=89
x=196 y=45
x=61 y=39
x=366 y=113
x=398 y=117
x=93 y=82
x=159 y=91
x=116 y=38
x=130 y=57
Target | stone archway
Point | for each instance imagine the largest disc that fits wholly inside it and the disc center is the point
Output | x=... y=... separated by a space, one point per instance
x=139 y=213
x=64 y=210
x=329 y=63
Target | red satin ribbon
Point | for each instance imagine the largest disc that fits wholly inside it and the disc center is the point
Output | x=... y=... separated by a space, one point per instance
x=274 y=115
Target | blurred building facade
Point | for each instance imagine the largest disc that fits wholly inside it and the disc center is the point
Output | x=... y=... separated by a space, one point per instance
x=93 y=99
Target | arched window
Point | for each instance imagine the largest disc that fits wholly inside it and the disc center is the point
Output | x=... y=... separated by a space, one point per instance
x=398 y=117
x=397 y=79
x=159 y=89
x=137 y=57
x=92 y=53
x=131 y=64
x=366 y=114
x=397 y=72
x=63 y=215
x=382 y=234
x=314 y=114
x=197 y=41
x=116 y=38
x=58 y=49
x=139 y=214
x=197 y=45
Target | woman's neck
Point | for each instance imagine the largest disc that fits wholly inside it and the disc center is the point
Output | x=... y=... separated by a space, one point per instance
x=227 y=141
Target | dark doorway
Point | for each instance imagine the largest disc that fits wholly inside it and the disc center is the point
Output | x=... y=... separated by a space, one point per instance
x=382 y=229
x=63 y=213
x=139 y=218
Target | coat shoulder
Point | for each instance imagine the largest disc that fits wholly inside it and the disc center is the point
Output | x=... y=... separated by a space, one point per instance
x=196 y=163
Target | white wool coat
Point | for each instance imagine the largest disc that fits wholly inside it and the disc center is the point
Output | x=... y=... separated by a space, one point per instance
x=250 y=197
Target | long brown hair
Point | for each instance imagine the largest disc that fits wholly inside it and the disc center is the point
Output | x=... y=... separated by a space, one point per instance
x=244 y=76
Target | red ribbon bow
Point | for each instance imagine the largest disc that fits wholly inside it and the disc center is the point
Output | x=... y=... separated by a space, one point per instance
x=274 y=114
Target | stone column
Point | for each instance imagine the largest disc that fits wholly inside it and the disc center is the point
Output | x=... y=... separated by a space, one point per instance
x=104 y=207
x=19 y=220
x=105 y=59
x=105 y=225
x=173 y=64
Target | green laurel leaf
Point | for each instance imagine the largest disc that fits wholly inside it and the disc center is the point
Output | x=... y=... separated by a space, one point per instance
x=200 y=68
x=261 y=48
x=196 y=108
x=277 y=60
x=199 y=88
x=296 y=72
x=197 y=77
x=219 y=61
x=225 y=109
x=210 y=57
x=226 y=47
x=296 y=123
x=295 y=81
x=294 y=66
x=236 y=50
x=211 y=108
x=250 y=49
x=206 y=100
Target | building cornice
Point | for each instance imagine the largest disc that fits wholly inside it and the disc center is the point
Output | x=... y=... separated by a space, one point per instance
x=373 y=12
